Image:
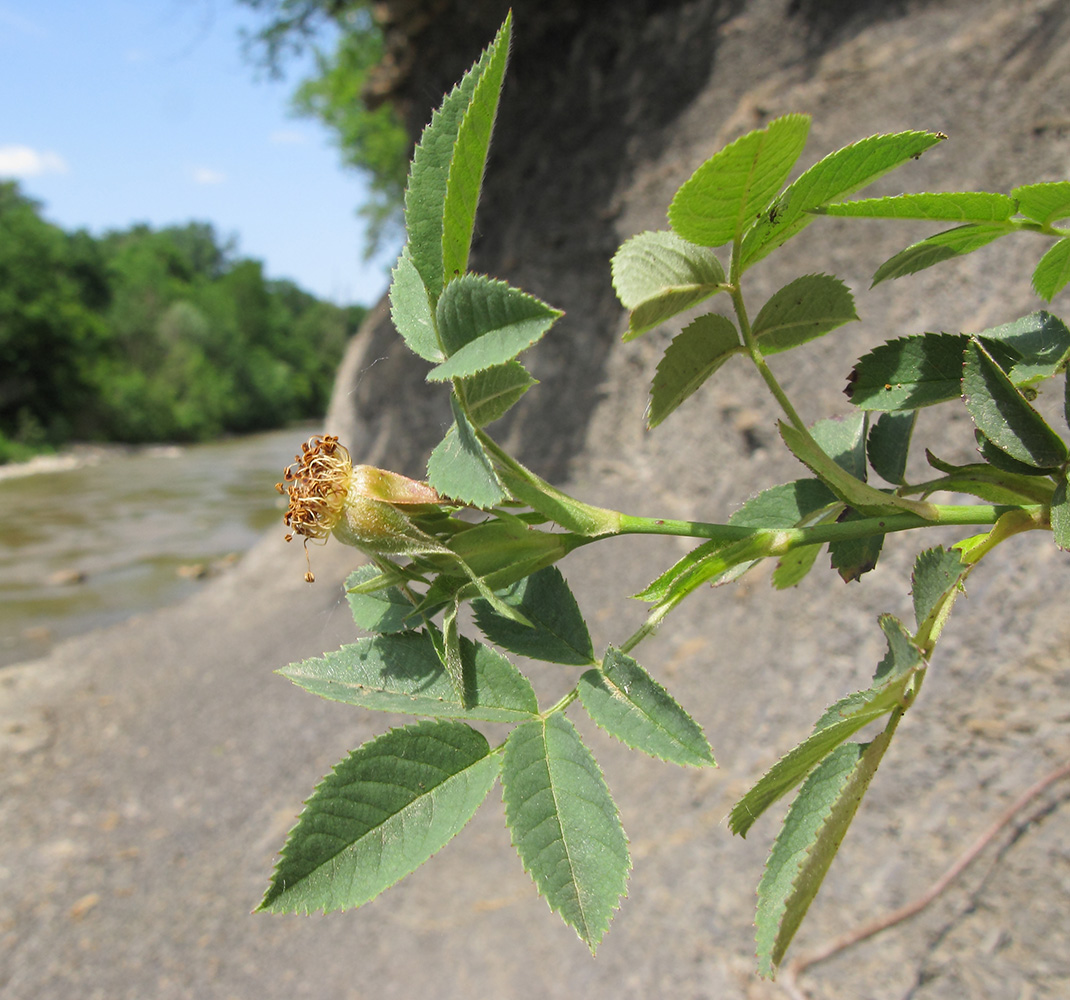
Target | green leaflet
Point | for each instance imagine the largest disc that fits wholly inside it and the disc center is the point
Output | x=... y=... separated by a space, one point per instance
x=411 y=312
x=888 y=445
x=724 y=196
x=625 y=701
x=843 y=439
x=1003 y=416
x=807 y=843
x=657 y=275
x=943 y=246
x=1045 y=203
x=840 y=173
x=564 y=824
x=1060 y=512
x=384 y=610
x=839 y=722
x=1001 y=460
x=851 y=491
x=807 y=308
x=556 y=633
x=946 y=206
x=908 y=373
x=1053 y=271
x=854 y=557
x=459 y=467
x=693 y=356
x=991 y=483
x=935 y=583
x=483 y=322
x=1032 y=348
x=429 y=176
x=380 y=814
x=469 y=158
x=403 y=672
x=784 y=506
x=491 y=393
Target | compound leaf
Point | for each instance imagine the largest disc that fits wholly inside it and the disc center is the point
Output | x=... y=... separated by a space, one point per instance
x=564 y=824
x=629 y=704
x=380 y=814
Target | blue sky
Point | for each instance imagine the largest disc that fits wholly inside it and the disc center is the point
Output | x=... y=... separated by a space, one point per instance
x=123 y=111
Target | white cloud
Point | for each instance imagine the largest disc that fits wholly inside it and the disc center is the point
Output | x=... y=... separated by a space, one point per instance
x=288 y=137
x=205 y=175
x=21 y=161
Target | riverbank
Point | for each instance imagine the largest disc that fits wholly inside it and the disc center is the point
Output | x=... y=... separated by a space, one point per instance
x=104 y=532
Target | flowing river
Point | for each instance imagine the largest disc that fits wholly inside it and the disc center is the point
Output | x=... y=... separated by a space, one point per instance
x=97 y=536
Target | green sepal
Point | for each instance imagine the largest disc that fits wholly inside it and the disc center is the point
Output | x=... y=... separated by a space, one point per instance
x=807 y=308
x=1001 y=413
x=657 y=275
x=404 y=672
x=380 y=814
x=564 y=824
x=694 y=355
x=556 y=631
x=625 y=701
x=725 y=195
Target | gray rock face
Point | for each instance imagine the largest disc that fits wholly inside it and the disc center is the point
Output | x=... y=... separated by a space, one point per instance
x=151 y=771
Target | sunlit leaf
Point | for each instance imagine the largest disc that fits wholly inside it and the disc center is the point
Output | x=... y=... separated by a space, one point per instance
x=693 y=356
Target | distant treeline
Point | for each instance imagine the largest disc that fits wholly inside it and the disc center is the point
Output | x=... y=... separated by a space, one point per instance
x=151 y=335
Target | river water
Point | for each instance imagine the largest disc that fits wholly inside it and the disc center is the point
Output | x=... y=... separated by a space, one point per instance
x=92 y=538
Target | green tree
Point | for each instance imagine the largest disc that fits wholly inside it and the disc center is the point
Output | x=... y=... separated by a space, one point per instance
x=371 y=139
